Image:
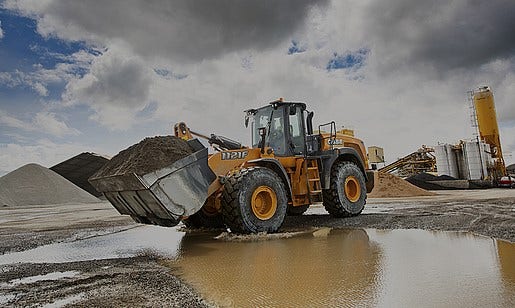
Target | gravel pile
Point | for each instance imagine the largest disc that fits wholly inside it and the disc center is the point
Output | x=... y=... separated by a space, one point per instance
x=424 y=181
x=387 y=185
x=33 y=184
x=151 y=154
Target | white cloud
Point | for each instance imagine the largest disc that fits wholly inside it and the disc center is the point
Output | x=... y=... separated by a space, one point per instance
x=508 y=144
x=1 y=31
x=43 y=122
x=10 y=121
x=40 y=78
x=190 y=31
x=48 y=123
x=404 y=96
x=22 y=79
x=116 y=88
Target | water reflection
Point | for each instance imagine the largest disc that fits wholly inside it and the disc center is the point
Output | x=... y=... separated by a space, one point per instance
x=439 y=269
x=399 y=268
x=338 y=269
x=506 y=253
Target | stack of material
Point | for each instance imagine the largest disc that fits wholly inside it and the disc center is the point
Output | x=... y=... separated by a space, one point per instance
x=432 y=182
x=80 y=168
x=149 y=155
x=387 y=185
x=33 y=184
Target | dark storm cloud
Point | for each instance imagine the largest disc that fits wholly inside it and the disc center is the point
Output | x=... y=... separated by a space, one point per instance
x=184 y=29
x=444 y=34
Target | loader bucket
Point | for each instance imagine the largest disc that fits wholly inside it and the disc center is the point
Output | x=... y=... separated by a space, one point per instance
x=164 y=196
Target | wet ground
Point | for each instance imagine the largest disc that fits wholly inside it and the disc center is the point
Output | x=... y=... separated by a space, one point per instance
x=88 y=255
x=354 y=267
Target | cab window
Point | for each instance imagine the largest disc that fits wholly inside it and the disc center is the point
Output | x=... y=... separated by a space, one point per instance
x=296 y=131
x=276 y=138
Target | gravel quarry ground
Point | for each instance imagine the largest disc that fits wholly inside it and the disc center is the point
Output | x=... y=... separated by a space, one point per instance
x=142 y=280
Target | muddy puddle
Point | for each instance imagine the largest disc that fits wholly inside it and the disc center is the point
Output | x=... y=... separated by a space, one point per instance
x=399 y=268
x=320 y=267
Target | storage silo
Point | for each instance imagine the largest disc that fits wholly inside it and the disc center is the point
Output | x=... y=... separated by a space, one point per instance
x=442 y=160
x=453 y=164
x=476 y=158
x=487 y=124
x=446 y=160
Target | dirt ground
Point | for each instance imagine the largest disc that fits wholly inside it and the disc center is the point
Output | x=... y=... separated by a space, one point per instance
x=142 y=281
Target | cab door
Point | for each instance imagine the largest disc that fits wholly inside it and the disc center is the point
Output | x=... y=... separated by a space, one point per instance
x=296 y=135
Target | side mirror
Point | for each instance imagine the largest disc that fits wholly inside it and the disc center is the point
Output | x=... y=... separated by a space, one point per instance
x=262 y=135
x=247 y=120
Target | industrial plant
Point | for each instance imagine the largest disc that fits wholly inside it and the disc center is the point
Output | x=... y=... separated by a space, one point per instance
x=473 y=162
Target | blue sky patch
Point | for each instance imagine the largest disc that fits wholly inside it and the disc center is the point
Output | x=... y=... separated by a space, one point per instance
x=349 y=60
x=168 y=74
x=26 y=57
x=22 y=46
x=295 y=48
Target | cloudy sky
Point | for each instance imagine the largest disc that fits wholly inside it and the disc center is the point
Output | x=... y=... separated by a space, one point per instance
x=101 y=75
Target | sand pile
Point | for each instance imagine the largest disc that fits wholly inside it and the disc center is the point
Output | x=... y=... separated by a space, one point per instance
x=33 y=184
x=390 y=186
x=149 y=155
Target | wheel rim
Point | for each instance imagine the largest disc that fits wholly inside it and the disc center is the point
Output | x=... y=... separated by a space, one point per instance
x=264 y=202
x=352 y=188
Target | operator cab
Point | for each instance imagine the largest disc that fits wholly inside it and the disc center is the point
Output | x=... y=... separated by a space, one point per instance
x=281 y=126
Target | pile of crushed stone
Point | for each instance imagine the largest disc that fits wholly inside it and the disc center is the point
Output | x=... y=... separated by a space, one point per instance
x=33 y=184
x=426 y=181
x=149 y=155
x=387 y=185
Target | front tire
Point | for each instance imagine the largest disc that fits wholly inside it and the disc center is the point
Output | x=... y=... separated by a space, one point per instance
x=347 y=193
x=254 y=200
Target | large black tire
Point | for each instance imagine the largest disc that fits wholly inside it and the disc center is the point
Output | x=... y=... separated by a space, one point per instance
x=239 y=190
x=203 y=220
x=336 y=199
x=296 y=210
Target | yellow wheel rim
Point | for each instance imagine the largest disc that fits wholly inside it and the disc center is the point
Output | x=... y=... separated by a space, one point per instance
x=352 y=188
x=264 y=202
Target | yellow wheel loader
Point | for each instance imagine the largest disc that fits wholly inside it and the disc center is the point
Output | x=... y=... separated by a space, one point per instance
x=251 y=189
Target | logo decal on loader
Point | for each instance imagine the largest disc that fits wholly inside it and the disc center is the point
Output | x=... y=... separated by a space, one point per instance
x=234 y=155
x=335 y=141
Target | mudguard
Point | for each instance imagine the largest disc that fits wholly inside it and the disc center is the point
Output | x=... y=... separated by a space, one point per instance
x=348 y=154
x=275 y=166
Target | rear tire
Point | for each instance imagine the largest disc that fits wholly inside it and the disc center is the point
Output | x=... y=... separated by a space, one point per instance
x=254 y=200
x=347 y=193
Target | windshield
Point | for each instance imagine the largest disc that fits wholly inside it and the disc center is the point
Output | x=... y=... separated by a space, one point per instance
x=274 y=124
x=261 y=119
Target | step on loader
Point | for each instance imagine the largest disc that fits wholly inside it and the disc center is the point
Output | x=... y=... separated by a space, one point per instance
x=287 y=168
